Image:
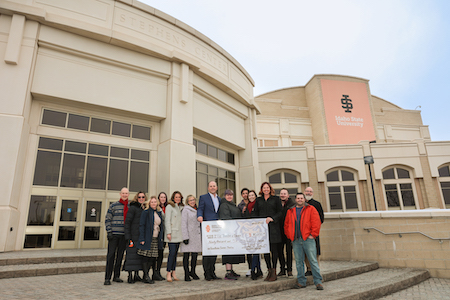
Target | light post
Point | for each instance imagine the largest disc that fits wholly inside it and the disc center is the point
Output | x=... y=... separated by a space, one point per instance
x=368 y=160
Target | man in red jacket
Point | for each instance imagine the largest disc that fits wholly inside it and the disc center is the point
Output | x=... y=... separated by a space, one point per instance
x=302 y=226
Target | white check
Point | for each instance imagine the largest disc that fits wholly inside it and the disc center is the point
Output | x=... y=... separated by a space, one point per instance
x=239 y=236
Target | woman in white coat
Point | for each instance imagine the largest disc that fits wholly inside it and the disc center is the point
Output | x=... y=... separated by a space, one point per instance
x=192 y=238
x=173 y=236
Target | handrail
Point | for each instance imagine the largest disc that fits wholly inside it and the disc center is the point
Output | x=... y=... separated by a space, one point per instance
x=407 y=232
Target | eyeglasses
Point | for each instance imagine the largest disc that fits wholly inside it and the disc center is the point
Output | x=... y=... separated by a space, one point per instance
x=141 y=196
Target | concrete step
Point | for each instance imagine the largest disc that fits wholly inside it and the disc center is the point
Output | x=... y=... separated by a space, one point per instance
x=370 y=285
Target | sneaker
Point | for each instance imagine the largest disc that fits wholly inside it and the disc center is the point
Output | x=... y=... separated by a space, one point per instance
x=282 y=273
x=308 y=273
x=319 y=287
x=235 y=274
x=299 y=286
x=290 y=274
x=249 y=273
x=230 y=276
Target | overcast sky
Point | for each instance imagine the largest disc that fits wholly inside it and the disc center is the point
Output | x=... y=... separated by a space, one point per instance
x=401 y=46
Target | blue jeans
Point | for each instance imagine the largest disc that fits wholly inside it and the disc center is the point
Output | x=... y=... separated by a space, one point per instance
x=172 y=259
x=256 y=262
x=307 y=247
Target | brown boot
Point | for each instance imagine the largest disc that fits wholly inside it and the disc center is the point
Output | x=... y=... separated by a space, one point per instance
x=272 y=275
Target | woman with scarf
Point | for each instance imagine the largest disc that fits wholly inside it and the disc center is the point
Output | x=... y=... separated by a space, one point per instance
x=151 y=232
x=254 y=258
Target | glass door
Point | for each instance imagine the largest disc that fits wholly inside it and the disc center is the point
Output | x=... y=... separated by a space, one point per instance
x=68 y=232
x=93 y=228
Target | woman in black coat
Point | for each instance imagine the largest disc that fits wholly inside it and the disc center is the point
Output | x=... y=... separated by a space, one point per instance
x=133 y=261
x=227 y=211
x=268 y=206
x=151 y=232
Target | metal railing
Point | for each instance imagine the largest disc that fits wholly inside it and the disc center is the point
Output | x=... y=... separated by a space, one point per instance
x=407 y=232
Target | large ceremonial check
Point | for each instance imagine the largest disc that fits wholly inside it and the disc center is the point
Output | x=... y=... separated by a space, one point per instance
x=240 y=236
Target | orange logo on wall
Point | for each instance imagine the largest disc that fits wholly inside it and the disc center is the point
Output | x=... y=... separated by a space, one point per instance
x=347 y=112
x=208 y=229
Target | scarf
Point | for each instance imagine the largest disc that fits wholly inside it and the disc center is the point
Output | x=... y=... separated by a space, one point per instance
x=125 y=208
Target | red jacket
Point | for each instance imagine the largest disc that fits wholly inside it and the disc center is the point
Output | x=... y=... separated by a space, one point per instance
x=309 y=222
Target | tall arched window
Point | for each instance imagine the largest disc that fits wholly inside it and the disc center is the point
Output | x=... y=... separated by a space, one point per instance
x=285 y=179
x=398 y=187
x=444 y=179
x=343 y=191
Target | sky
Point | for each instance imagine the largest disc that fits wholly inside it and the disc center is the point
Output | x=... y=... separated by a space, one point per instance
x=401 y=46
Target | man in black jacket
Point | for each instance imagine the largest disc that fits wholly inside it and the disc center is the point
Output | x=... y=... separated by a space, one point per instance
x=287 y=204
x=309 y=198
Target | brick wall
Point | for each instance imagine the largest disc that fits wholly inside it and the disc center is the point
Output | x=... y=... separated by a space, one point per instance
x=343 y=237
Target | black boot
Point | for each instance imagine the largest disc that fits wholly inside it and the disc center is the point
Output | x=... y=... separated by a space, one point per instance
x=158 y=266
x=136 y=276
x=186 y=266
x=146 y=267
x=193 y=265
x=130 y=277
x=253 y=275
x=156 y=275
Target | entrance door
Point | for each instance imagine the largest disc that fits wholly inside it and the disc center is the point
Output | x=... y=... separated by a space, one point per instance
x=68 y=232
x=93 y=227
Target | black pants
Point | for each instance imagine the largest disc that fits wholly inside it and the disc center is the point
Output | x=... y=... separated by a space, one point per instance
x=286 y=262
x=116 y=248
x=209 y=266
x=271 y=262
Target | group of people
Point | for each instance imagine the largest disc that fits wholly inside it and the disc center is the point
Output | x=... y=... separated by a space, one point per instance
x=143 y=227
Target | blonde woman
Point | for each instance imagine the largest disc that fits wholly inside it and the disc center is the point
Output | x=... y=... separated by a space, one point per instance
x=151 y=231
x=192 y=238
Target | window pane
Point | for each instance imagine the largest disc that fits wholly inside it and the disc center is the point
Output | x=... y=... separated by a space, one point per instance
x=139 y=176
x=334 y=194
x=290 y=178
x=75 y=147
x=408 y=198
x=402 y=173
x=38 y=241
x=120 y=152
x=446 y=191
x=388 y=174
x=93 y=211
x=202 y=168
x=222 y=173
x=212 y=170
x=54 y=118
x=202 y=148
x=333 y=176
x=51 y=144
x=231 y=175
x=275 y=178
x=222 y=186
x=73 y=171
x=69 y=210
x=47 y=168
x=98 y=149
x=351 y=201
x=78 y=122
x=346 y=176
x=42 y=210
x=232 y=186
x=118 y=174
x=141 y=132
x=66 y=233
x=292 y=192
x=202 y=184
x=96 y=173
x=91 y=233
x=212 y=151
x=222 y=155
x=392 y=195
x=100 y=125
x=444 y=172
x=140 y=155
x=231 y=158
x=121 y=129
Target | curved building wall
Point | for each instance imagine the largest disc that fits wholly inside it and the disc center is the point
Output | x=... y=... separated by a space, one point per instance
x=97 y=95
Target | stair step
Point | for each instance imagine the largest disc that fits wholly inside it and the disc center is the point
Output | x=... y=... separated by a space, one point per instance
x=370 y=285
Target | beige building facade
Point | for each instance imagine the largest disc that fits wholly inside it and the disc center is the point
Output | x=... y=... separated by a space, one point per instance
x=97 y=95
